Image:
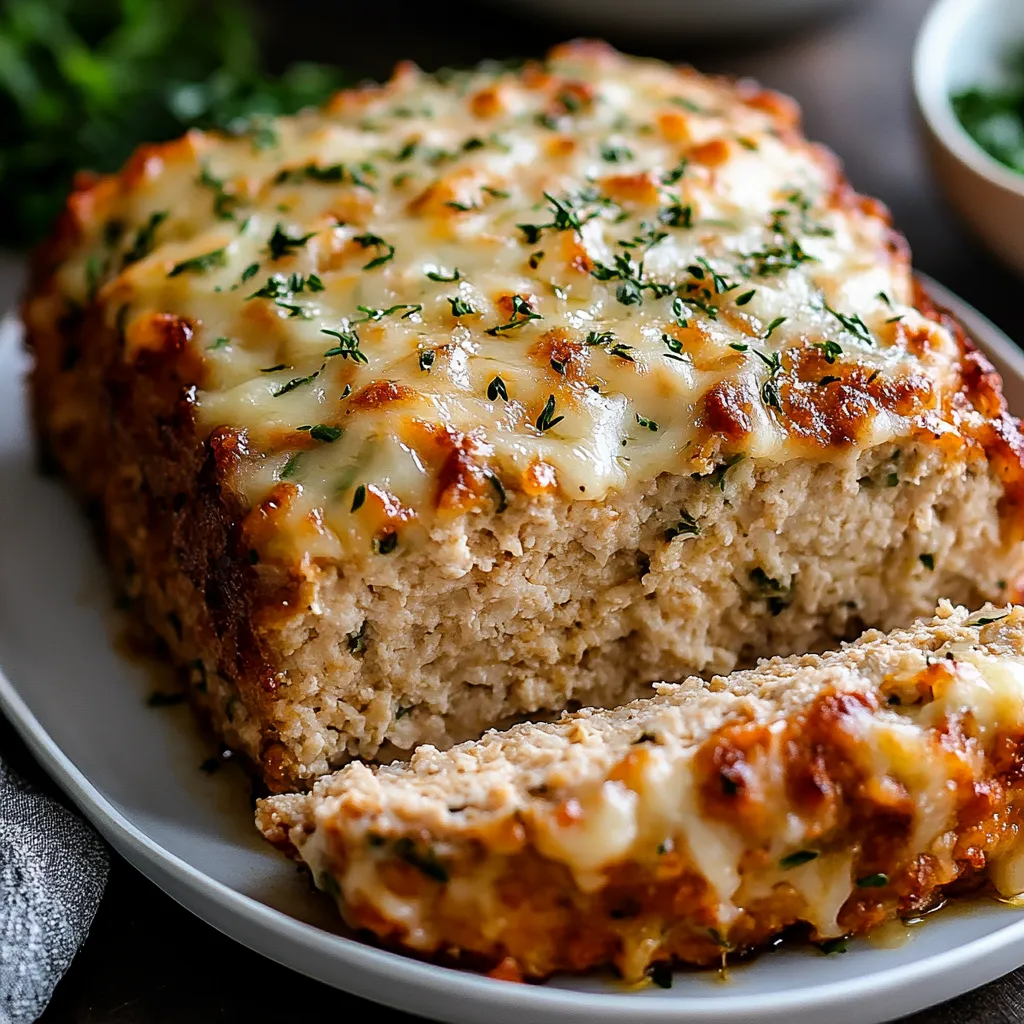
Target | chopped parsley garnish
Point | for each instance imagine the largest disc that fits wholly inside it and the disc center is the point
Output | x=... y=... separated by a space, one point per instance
x=224 y=202
x=876 y=881
x=145 y=237
x=830 y=350
x=291 y=466
x=774 y=259
x=673 y=176
x=830 y=946
x=928 y=561
x=460 y=307
x=985 y=620
x=853 y=324
x=675 y=215
x=369 y=313
x=358 y=497
x=569 y=213
x=496 y=389
x=332 y=173
x=547 y=418
x=440 y=274
x=607 y=341
x=324 y=432
x=615 y=154
x=521 y=313
x=425 y=861
x=773 y=326
x=426 y=359
x=648 y=423
x=281 y=244
x=675 y=348
x=347 y=347
x=385 y=250
x=221 y=342
x=742 y=300
x=794 y=860
x=296 y=382
x=250 y=271
x=274 y=369
x=631 y=274
x=200 y=264
x=686 y=527
x=717 y=476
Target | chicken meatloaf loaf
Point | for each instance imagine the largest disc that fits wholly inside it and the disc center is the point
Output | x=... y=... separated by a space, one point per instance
x=834 y=792
x=489 y=393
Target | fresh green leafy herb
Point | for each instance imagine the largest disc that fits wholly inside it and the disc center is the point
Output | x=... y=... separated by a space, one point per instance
x=742 y=300
x=608 y=341
x=717 y=476
x=219 y=343
x=145 y=237
x=496 y=389
x=324 y=432
x=281 y=244
x=794 y=860
x=291 y=466
x=831 y=946
x=676 y=215
x=686 y=527
x=460 y=307
x=385 y=250
x=200 y=264
x=371 y=314
x=675 y=175
x=224 y=202
x=426 y=359
x=830 y=350
x=547 y=418
x=358 y=498
x=853 y=324
x=440 y=274
x=425 y=861
x=347 y=347
x=648 y=423
x=521 y=313
x=994 y=117
x=985 y=620
x=876 y=881
x=773 y=326
x=250 y=271
x=296 y=382
x=615 y=154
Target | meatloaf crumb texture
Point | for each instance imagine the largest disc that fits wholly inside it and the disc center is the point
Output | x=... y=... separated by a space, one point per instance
x=832 y=792
x=476 y=397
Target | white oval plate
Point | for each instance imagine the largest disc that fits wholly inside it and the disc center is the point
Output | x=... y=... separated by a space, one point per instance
x=134 y=771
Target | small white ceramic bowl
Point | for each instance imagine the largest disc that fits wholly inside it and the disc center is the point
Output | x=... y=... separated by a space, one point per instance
x=964 y=43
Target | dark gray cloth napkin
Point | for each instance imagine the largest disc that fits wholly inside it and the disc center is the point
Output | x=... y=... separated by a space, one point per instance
x=53 y=868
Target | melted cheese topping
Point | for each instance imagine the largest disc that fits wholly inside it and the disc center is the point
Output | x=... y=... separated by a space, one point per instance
x=561 y=279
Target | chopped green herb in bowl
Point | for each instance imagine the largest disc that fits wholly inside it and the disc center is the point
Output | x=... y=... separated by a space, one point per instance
x=994 y=117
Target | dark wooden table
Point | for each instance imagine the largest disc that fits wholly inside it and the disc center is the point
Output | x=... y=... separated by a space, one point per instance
x=147 y=961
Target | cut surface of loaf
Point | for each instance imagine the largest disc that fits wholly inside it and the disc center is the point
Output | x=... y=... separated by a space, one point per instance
x=832 y=791
x=487 y=394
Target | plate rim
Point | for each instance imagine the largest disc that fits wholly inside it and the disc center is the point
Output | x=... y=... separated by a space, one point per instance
x=475 y=990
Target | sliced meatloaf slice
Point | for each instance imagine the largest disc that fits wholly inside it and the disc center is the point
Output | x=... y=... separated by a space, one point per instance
x=833 y=791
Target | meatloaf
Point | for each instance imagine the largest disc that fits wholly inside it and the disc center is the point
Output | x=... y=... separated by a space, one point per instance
x=832 y=792
x=490 y=393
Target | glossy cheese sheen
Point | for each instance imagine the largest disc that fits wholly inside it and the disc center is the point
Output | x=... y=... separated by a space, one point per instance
x=566 y=278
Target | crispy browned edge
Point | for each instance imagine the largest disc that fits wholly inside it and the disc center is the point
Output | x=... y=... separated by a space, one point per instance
x=171 y=528
x=552 y=926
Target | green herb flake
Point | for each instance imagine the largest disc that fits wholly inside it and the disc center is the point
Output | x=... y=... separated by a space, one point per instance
x=876 y=881
x=426 y=359
x=221 y=342
x=522 y=313
x=496 y=389
x=200 y=264
x=833 y=946
x=385 y=250
x=928 y=561
x=441 y=274
x=460 y=307
x=648 y=423
x=686 y=527
x=324 y=432
x=145 y=237
x=358 y=498
x=296 y=382
x=347 y=347
x=291 y=467
x=281 y=244
x=499 y=490
x=425 y=861
x=794 y=860
x=547 y=419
